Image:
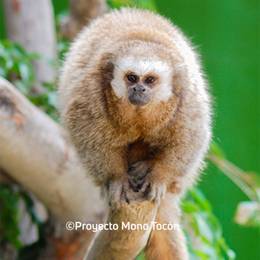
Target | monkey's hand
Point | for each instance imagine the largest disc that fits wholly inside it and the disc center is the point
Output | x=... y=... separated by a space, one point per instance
x=140 y=181
x=137 y=173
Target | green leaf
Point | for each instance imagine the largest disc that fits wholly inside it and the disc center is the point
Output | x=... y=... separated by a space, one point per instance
x=16 y=64
x=9 y=219
x=189 y=207
x=216 y=150
x=141 y=256
x=24 y=71
x=203 y=229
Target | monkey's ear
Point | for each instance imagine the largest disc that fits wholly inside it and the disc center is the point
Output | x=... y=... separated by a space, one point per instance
x=107 y=67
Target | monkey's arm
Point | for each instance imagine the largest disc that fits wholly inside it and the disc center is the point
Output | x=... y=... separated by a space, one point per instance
x=176 y=168
x=105 y=163
x=179 y=155
x=98 y=144
x=124 y=244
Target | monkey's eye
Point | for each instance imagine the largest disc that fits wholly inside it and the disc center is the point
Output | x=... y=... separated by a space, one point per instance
x=132 y=78
x=150 y=80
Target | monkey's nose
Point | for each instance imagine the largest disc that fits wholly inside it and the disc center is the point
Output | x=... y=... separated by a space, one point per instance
x=139 y=88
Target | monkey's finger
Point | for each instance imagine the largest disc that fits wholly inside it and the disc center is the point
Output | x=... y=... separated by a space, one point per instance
x=115 y=189
x=156 y=193
x=136 y=185
x=146 y=187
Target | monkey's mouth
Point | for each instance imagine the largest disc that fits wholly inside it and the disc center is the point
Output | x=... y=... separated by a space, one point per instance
x=138 y=99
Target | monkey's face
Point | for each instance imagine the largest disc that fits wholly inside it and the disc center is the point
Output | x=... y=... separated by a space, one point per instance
x=141 y=81
x=139 y=87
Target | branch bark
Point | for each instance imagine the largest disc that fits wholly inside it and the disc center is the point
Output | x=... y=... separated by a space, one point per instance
x=34 y=152
x=31 y=24
x=4 y=178
x=81 y=13
x=125 y=243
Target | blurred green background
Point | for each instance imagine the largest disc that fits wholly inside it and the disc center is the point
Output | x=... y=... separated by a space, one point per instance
x=226 y=35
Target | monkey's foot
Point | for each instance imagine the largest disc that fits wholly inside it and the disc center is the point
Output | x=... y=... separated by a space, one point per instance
x=137 y=173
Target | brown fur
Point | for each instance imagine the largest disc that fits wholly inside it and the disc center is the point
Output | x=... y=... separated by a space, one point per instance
x=110 y=134
x=163 y=244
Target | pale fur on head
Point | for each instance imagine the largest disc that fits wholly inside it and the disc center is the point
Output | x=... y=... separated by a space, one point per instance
x=141 y=67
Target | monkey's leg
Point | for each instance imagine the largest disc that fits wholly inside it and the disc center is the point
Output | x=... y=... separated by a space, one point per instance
x=167 y=244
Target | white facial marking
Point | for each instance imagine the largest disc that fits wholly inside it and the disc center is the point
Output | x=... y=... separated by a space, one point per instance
x=140 y=68
x=118 y=83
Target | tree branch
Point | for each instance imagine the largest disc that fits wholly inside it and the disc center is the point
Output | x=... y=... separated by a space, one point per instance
x=31 y=24
x=124 y=243
x=35 y=153
x=81 y=13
